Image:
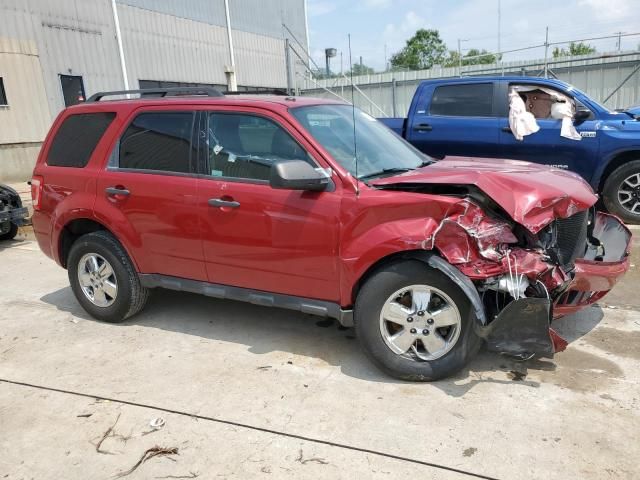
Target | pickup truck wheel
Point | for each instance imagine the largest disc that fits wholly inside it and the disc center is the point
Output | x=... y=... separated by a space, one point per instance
x=10 y=233
x=621 y=192
x=415 y=323
x=103 y=278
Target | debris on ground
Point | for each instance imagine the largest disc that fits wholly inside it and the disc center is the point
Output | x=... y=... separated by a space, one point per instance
x=149 y=454
x=84 y=415
x=191 y=475
x=106 y=434
x=304 y=461
x=517 y=376
x=264 y=367
x=157 y=423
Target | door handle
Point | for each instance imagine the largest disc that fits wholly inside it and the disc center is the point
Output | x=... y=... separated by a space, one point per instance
x=116 y=191
x=219 y=203
x=506 y=129
x=423 y=127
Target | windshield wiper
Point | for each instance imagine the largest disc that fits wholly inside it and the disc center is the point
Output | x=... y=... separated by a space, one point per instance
x=386 y=171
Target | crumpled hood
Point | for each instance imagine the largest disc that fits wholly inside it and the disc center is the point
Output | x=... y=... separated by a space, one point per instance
x=533 y=195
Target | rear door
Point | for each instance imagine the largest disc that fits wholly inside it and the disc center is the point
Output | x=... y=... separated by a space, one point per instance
x=456 y=119
x=148 y=192
x=546 y=146
x=254 y=236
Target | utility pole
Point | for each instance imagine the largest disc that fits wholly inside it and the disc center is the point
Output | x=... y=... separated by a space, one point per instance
x=459 y=59
x=385 y=56
x=619 y=43
x=500 y=35
x=499 y=26
x=546 y=54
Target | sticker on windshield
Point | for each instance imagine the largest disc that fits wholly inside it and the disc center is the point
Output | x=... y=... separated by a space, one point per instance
x=588 y=134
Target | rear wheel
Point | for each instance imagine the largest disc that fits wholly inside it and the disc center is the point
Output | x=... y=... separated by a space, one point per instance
x=10 y=231
x=103 y=278
x=621 y=192
x=415 y=323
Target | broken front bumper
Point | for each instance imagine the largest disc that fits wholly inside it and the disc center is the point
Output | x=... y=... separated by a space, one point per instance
x=523 y=327
x=601 y=267
x=14 y=215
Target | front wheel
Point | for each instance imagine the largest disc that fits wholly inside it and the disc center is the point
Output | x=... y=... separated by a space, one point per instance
x=415 y=323
x=9 y=231
x=621 y=192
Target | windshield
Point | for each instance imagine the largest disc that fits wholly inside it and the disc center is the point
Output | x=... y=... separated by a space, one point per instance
x=380 y=151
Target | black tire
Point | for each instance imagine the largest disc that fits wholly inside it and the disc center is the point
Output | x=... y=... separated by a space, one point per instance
x=11 y=234
x=131 y=296
x=612 y=186
x=370 y=302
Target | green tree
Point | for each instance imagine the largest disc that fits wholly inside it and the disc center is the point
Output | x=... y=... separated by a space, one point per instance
x=361 y=69
x=575 y=48
x=472 y=57
x=424 y=50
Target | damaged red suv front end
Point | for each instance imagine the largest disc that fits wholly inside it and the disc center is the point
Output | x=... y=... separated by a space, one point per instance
x=529 y=240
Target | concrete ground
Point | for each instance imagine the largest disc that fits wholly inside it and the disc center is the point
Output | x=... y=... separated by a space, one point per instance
x=251 y=392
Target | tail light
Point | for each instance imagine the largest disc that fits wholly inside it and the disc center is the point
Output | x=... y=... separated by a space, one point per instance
x=36 y=191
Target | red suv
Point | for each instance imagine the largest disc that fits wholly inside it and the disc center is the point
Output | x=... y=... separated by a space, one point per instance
x=314 y=206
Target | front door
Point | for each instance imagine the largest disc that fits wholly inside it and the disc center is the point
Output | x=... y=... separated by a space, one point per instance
x=149 y=191
x=257 y=237
x=547 y=147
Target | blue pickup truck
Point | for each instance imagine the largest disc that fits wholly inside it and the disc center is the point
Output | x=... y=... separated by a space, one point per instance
x=471 y=117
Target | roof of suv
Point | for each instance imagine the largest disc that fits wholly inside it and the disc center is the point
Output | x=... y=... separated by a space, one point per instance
x=270 y=102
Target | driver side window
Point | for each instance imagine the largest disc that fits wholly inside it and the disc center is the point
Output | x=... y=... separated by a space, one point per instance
x=244 y=146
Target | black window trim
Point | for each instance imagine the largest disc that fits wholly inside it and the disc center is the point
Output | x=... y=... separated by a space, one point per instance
x=493 y=100
x=254 y=181
x=193 y=162
x=3 y=94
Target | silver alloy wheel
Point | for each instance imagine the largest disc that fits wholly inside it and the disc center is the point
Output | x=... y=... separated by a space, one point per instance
x=629 y=194
x=420 y=322
x=97 y=280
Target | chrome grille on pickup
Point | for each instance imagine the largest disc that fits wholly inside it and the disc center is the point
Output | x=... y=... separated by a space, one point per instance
x=571 y=237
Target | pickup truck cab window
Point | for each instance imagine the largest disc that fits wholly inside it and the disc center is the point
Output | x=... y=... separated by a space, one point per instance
x=466 y=100
x=158 y=141
x=244 y=146
x=380 y=152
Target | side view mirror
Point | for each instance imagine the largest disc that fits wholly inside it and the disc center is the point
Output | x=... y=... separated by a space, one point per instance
x=297 y=175
x=581 y=114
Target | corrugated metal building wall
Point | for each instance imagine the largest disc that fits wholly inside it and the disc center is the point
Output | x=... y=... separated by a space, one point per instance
x=163 y=40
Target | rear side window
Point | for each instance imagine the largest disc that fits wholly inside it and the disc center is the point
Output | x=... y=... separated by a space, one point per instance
x=472 y=100
x=77 y=138
x=158 y=141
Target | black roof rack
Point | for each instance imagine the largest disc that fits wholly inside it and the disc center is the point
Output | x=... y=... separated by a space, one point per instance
x=159 y=92
x=258 y=91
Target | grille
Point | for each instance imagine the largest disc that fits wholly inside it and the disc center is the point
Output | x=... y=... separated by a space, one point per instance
x=571 y=237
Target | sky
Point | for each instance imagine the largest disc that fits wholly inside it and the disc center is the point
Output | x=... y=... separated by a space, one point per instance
x=379 y=25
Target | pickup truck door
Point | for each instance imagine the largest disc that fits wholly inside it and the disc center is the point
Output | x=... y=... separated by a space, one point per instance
x=255 y=236
x=546 y=146
x=455 y=119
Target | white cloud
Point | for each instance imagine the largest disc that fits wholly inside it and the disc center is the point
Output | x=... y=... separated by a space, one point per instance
x=396 y=34
x=316 y=8
x=375 y=4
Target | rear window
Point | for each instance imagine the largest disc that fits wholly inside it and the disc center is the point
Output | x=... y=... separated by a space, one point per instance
x=77 y=138
x=159 y=141
x=472 y=100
